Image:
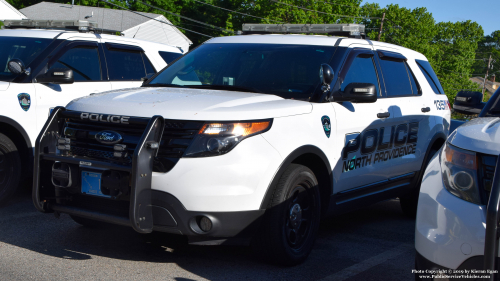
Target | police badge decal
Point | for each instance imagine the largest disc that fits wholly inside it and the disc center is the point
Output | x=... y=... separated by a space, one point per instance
x=24 y=101
x=327 y=127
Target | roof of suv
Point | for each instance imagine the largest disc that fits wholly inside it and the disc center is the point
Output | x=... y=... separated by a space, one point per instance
x=65 y=34
x=318 y=40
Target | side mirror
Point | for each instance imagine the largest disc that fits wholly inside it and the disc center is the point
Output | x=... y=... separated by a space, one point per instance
x=57 y=76
x=468 y=103
x=358 y=93
x=326 y=76
x=17 y=66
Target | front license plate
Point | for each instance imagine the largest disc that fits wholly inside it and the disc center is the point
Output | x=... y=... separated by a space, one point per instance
x=91 y=184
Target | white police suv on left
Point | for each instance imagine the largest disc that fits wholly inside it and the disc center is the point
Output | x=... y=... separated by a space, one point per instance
x=40 y=69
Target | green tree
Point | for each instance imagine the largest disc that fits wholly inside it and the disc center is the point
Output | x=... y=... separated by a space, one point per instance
x=489 y=45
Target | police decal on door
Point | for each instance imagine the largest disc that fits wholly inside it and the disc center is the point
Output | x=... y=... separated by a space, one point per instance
x=402 y=141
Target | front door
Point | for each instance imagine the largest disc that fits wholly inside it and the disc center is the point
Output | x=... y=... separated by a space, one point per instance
x=82 y=57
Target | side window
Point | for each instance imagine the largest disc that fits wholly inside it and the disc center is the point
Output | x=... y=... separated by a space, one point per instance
x=83 y=60
x=169 y=57
x=362 y=70
x=431 y=77
x=147 y=63
x=125 y=65
x=397 y=80
x=414 y=83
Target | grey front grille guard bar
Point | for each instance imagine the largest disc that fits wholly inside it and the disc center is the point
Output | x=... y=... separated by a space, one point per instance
x=140 y=212
x=492 y=220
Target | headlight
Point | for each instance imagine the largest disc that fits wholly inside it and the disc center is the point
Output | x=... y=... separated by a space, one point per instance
x=459 y=171
x=219 y=138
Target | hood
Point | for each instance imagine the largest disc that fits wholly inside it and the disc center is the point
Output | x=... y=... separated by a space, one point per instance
x=190 y=104
x=480 y=134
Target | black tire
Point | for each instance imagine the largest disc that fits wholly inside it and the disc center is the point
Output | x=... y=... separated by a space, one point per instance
x=88 y=222
x=409 y=202
x=10 y=169
x=291 y=221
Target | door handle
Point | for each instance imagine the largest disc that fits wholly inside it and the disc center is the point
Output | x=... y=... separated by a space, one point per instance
x=426 y=109
x=383 y=115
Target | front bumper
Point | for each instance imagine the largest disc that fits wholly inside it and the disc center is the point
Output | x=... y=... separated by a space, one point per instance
x=448 y=230
x=132 y=200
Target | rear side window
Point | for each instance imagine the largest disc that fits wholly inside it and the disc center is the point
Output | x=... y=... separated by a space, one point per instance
x=431 y=76
x=169 y=57
x=396 y=77
x=84 y=61
x=125 y=65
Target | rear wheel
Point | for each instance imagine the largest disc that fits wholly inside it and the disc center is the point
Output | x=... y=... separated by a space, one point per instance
x=291 y=223
x=409 y=202
x=10 y=169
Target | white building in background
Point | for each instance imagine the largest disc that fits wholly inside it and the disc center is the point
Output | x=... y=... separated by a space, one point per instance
x=147 y=26
x=7 y=12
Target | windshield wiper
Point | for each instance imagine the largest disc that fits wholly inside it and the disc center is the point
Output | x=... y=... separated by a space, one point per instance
x=227 y=87
x=163 y=85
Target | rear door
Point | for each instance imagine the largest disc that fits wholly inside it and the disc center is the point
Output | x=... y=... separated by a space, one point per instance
x=127 y=65
x=362 y=128
x=411 y=111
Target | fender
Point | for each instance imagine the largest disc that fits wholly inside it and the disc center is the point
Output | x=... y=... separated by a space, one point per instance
x=306 y=149
x=20 y=129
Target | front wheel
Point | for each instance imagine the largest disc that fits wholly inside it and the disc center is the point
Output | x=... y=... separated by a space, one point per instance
x=291 y=222
x=10 y=169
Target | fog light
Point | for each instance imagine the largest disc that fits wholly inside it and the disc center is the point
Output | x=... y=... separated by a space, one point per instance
x=463 y=180
x=61 y=175
x=205 y=224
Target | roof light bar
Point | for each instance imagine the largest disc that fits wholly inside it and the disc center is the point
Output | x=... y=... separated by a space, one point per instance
x=79 y=25
x=348 y=29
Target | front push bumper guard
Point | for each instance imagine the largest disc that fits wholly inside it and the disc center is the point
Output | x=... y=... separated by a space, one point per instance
x=141 y=170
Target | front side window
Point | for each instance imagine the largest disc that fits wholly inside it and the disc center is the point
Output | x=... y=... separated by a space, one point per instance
x=23 y=48
x=288 y=71
x=125 y=65
x=84 y=61
x=396 y=77
x=362 y=70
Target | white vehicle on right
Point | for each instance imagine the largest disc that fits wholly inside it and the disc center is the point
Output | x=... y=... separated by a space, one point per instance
x=456 y=230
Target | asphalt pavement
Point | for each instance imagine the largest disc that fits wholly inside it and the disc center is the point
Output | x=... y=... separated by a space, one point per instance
x=374 y=243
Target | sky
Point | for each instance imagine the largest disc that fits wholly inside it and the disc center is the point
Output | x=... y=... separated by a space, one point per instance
x=484 y=12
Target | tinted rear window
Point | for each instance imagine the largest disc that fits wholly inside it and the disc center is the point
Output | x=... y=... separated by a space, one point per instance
x=397 y=81
x=431 y=76
x=169 y=57
x=124 y=65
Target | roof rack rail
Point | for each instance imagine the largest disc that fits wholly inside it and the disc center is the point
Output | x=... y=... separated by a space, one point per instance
x=83 y=26
x=350 y=30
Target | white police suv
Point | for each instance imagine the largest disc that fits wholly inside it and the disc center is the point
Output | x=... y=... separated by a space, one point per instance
x=43 y=68
x=251 y=138
x=457 y=219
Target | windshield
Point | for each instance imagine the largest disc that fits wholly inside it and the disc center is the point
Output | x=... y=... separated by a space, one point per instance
x=288 y=71
x=26 y=49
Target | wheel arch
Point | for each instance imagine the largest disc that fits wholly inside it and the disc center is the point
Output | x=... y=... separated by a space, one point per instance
x=316 y=160
x=18 y=135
